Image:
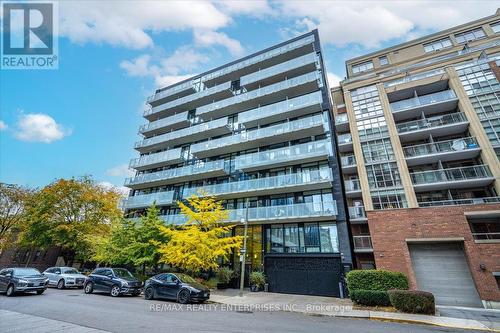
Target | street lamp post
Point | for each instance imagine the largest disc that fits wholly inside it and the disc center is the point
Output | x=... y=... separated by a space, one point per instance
x=244 y=250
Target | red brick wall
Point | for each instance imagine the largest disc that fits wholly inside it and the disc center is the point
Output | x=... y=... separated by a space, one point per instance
x=390 y=229
x=341 y=110
x=495 y=69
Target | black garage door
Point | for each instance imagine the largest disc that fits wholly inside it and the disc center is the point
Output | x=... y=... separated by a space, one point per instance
x=302 y=274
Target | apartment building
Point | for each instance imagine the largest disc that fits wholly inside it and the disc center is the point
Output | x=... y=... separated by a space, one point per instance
x=418 y=128
x=257 y=131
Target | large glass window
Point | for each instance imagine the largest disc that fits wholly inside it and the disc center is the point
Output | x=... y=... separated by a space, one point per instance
x=470 y=35
x=377 y=150
x=302 y=238
x=437 y=45
x=388 y=199
x=328 y=237
x=496 y=27
x=362 y=67
x=383 y=175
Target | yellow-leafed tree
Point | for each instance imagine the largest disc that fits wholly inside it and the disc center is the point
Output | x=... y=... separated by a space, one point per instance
x=196 y=245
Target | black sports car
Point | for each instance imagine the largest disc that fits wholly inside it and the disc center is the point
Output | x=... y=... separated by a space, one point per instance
x=179 y=287
x=116 y=281
x=14 y=280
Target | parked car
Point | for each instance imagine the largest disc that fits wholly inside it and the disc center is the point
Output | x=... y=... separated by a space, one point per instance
x=179 y=287
x=116 y=281
x=13 y=280
x=64 y=277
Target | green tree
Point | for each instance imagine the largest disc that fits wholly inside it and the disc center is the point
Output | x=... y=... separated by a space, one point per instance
x=13 y=200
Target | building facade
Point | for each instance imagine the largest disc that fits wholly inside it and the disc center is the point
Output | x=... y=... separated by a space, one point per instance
x=257 y=130
x=418 y=128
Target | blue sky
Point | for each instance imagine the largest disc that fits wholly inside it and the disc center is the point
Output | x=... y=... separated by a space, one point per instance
x=82 y=119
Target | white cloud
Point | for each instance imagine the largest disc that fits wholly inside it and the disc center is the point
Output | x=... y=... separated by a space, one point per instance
x=138 y=66
x=124 y=191
x=3 y=125
x=209 y=38
x=39 y=127
x=167 y=80
x=333 y=79
x=255 y=8
x=121 y=170
x=183 y=59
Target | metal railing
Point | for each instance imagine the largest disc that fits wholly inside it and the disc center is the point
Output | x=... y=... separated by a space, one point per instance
x=414 y=77
x=344 y=138
x=362 y=242
x=457 y=202
x=349 y=160
x=486 y=235
x=281 y=181
x=352 y=185
x=176 y=118
x=172 y=90
x=441 y=147
x=447 y=119
x=146 y=200
x=441 y=96
x=357 y=212
x=164 y=156
x=341 y=118
x=450 y=175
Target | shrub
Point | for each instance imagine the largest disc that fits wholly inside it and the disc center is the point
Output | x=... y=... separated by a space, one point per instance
x=413 y=301
x=370 y=297
x=224 y=275
x=257 y=279
x=375 y=279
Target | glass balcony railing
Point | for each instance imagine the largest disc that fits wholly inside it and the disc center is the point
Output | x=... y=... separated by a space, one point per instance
x=170 y=91
x=218 y=123
x=260 y=92
x=450 y=175
x=164 y=156
x=428 y=123
x=345 y=138
x=186 y=99
x=357 y=212
x=146 y=200
x=352 y=185
x=456 y=202
x=348 y=161
x=282 y=155
x=414 y=77
x=362 y=242
x=441 y=147
x=279 y=68
x=270 y=213
x=281 y=107
x=261 y=133
x=262 y=184
x=341 y=118
x=168 y=121
x=442 y=96
x=200 y=168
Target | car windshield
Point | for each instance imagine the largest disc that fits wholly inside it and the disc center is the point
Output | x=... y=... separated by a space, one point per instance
x=26 y=272
x=70 y=271
x=122 y=273
x=185 y=278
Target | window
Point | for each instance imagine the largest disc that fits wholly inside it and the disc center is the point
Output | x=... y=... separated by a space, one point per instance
x=362 y=67
x=383 y=61
x=437 y=45
x=302 y=238
x=388 y=199
x=497 y=278
x=495 y=27
x=485 y=228
x=468 y=36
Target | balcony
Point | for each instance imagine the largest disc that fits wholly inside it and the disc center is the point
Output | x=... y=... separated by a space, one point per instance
x=449 y=150
x=348 y=163
x=352 y=188
x=452 y=178
x=311 y=211
x=167 y=157
x=302 y=181
x=164 y=125
x=448 y=124
x=175 y=175
x=294 y=67
x=429 y=104
x=414 y=77
x=362 y=244
x=177 y=91
x=263 y=136
x=264 y=95
x=357 y=214
x=345 y=142
x=293 y=107
x=192 y=101
x=457 y=202
x=302 y=153
x=342 y=122
x=146 y=200
x=185 y=135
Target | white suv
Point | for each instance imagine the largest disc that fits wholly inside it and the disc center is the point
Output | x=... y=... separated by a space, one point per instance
x=64 y=277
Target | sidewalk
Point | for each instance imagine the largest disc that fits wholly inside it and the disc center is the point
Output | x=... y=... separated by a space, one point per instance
x=329 y=306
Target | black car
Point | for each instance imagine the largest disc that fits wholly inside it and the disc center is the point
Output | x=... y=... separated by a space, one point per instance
x=179 y=287
x=116 y=281
x=14 y=280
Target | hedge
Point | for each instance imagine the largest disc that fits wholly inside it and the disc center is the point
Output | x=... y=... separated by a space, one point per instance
x=370 y=297
x=413 y=301
x=375 y=279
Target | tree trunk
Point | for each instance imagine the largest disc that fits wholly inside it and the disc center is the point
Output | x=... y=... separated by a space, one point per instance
x=143 y=269
x=30 y=254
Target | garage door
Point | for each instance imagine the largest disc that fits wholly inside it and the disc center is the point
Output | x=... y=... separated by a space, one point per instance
x=443 y=270
x=307 y=275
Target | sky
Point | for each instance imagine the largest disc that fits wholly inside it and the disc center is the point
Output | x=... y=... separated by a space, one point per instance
x=82 y=119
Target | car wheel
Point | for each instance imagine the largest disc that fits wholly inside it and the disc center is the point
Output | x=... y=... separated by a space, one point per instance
x=149 y=293
x=10 y=290
x=39 y=292
x=60 y=284
x=183 y=296
x=115 y=291
x=89 y=288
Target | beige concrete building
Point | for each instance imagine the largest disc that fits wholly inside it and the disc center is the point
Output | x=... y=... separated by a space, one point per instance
x=418 y=128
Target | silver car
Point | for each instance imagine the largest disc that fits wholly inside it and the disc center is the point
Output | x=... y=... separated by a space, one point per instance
x=64 y=277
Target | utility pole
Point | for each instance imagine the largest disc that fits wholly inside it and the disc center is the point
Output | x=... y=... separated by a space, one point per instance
x=243 y=251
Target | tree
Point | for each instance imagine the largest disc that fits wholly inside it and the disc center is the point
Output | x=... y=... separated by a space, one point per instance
x=66 y=212
x=196 y=245
x=13 y=199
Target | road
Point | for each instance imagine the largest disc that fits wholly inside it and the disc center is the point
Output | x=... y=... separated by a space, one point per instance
x=134 y=314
